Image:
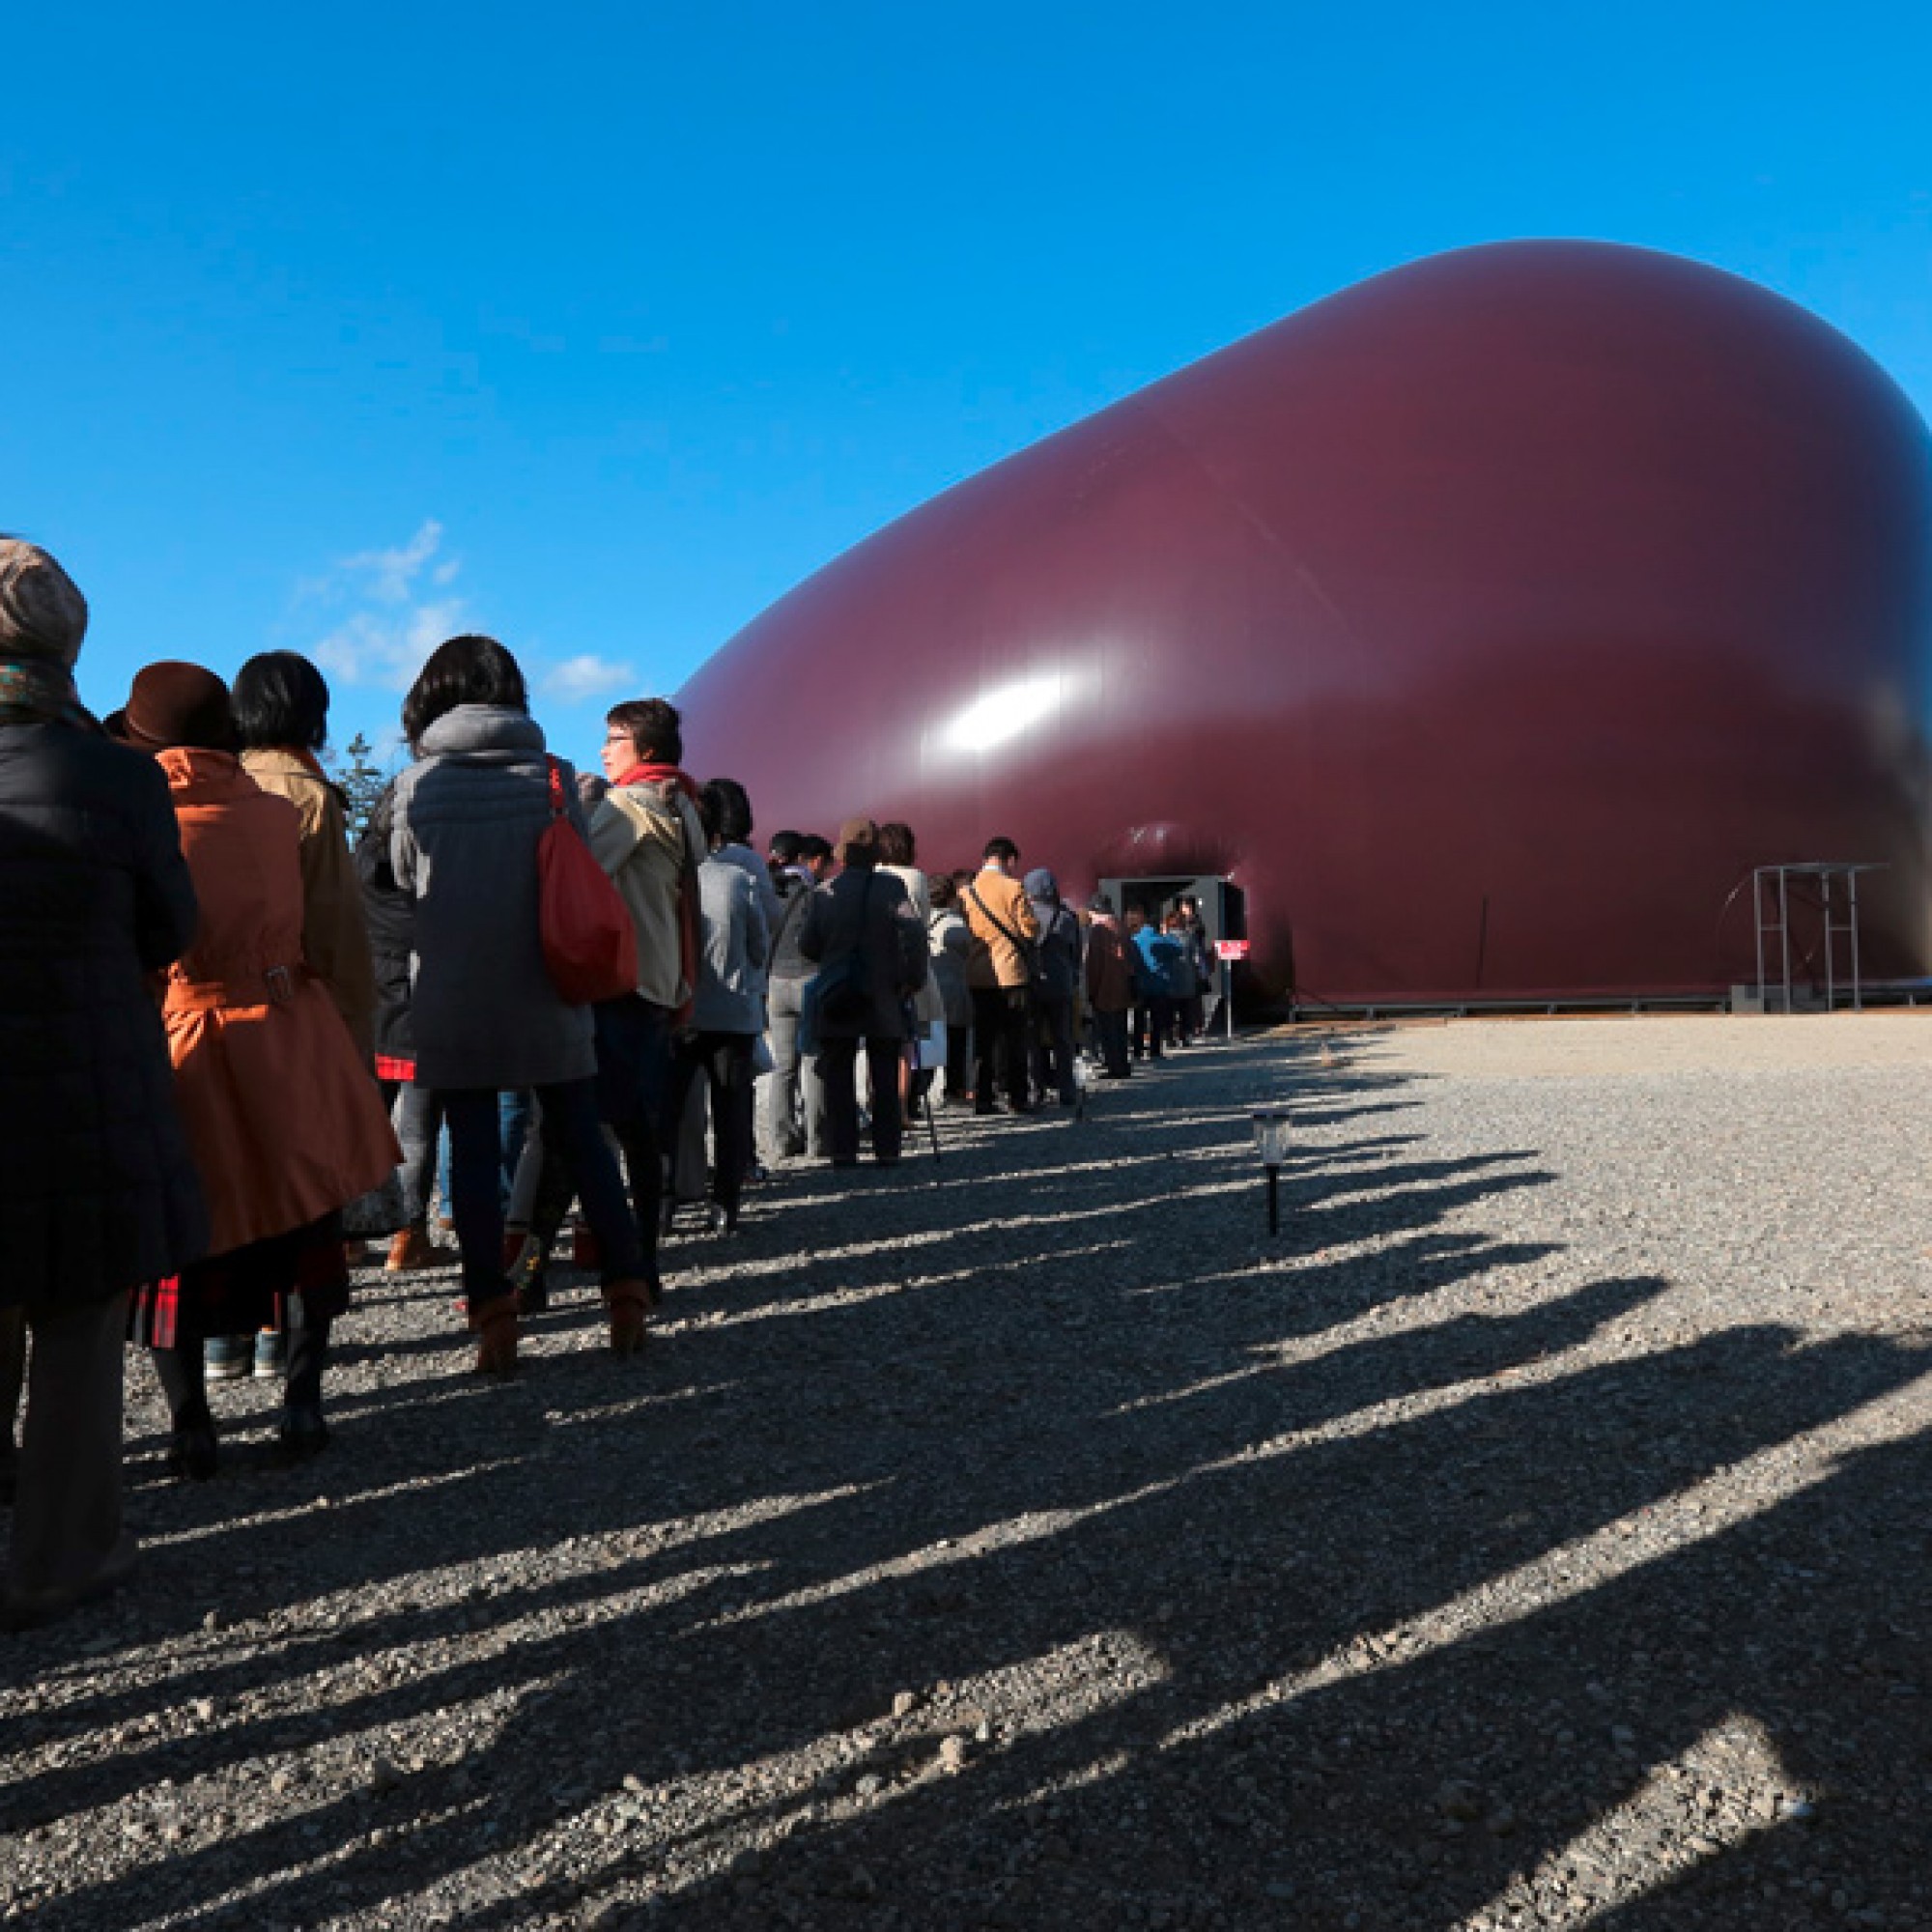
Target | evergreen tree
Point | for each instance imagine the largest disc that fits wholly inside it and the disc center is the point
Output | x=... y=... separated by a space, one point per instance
x=361 y=781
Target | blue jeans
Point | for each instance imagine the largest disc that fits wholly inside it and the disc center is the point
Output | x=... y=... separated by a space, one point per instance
x=476 y=1163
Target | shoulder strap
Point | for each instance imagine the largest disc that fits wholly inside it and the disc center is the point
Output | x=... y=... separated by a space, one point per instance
x=1006 y=931
x=792 y=904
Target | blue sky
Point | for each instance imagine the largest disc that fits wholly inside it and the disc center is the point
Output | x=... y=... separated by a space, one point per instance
x=599 y=327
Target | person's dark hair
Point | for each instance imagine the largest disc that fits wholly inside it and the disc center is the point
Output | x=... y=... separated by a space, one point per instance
x=656 y=730
x=469 y=670
x=711 y=812
x=941 y=891
x=280 y=699
x=897 y=847
x=813 y=850
x=734 y=803
x=783 y=848
x=1004 y=850
x=962 y=875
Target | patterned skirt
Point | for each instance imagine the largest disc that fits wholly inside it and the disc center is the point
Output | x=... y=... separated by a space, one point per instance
x=244 y=1289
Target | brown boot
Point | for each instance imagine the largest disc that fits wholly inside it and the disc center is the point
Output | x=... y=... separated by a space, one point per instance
x=628 y=1304
x=414 y=1249
x=496 y=1326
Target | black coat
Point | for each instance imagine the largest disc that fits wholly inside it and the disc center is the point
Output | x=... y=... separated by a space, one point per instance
x=390 y=912
x=864 y=910
x=97 y=1189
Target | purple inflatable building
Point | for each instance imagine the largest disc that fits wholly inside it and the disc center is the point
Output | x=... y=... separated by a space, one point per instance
x=1485 y=624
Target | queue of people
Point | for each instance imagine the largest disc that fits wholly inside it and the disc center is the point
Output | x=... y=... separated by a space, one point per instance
x=232 y=1041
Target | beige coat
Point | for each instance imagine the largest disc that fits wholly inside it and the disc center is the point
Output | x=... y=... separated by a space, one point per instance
x=335 y=939
x=643 y=835
x=995 y=960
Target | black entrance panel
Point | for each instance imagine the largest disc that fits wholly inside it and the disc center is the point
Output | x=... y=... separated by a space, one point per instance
x=1223 y=907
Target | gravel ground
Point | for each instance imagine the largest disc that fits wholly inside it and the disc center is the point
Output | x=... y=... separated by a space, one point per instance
x=1539 y=1531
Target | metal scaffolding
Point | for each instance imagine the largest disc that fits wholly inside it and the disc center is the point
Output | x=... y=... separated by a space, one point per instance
x=1838 y=902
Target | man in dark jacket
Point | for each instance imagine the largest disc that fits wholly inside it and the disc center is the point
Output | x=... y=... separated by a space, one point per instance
x=1056 y=982
x=1110 y=967
x=98 y=1189
x=871 y=957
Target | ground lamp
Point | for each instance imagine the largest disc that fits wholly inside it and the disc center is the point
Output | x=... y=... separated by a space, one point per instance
x=1271 y=1144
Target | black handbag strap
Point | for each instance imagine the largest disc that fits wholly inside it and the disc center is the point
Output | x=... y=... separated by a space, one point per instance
x=800 y=893
x=1006 y=931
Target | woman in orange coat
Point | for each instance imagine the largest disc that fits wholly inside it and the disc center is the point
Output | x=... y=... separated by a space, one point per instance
x=285 y=1124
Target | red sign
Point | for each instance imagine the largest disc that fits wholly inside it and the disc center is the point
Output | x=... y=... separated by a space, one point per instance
x=1232 y=948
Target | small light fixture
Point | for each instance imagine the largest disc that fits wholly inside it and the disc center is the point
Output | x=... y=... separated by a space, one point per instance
x=1271 y=1144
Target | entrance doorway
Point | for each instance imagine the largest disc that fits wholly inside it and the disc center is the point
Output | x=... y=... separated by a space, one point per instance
x=1224 y=912
x=1223 y=907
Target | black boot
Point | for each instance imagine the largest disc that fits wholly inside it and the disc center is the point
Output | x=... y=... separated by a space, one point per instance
x=303 y=1431
x=192 y=1454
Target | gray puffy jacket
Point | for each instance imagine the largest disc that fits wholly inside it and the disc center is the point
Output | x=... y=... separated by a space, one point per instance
x=468 y=816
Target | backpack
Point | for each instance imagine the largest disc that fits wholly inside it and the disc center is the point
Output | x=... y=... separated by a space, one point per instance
x=1055 y=958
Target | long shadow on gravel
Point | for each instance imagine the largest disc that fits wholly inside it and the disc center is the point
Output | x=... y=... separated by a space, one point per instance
x=1027 y=1441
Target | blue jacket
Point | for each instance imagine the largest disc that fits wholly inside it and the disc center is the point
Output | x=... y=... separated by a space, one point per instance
x=1166 y=972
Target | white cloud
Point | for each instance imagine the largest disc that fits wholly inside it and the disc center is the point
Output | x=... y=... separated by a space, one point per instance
x=579 y=679
x=392 y=574
x=390 y=608
x=372 y=619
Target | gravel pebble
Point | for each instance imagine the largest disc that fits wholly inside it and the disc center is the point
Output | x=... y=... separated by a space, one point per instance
x=1538 y=1531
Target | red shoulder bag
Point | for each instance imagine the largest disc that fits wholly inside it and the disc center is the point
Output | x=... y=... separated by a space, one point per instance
x=590 y=946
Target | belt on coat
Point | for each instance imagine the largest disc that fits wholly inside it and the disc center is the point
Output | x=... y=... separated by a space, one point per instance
x=272 y=987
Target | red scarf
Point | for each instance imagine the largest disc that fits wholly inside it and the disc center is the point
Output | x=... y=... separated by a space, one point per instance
x=670 y=774
x=689 y=921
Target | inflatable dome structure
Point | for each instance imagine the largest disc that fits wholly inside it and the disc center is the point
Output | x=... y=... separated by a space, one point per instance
x=1485 y=624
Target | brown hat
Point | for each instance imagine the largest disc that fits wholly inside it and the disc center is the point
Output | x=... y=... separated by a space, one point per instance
x=174 y=703
x=861 y=836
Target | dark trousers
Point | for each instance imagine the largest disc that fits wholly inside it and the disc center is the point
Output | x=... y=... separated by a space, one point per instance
x=724 y=1061
x=959 y=1059
x=475 y=1158
x=183 y=1372
x=1000 y=1045
x=1053 y=1048
x=1152 y=1020
x=67 y=1509
x=634 y=1078
x=837 y=1073
x=1111 y=1029
x=513 y=1120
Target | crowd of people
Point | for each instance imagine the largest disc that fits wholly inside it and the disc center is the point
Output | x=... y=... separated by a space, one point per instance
x=240 y=1036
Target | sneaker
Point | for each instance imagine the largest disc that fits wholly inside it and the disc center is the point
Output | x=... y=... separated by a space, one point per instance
x=228 y=1358
x=271 y=1356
